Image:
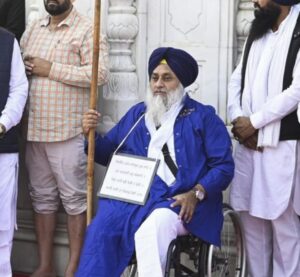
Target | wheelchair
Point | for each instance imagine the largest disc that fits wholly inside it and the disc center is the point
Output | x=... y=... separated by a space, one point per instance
x=190 y=256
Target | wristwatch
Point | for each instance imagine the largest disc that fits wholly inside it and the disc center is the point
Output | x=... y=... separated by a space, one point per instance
x=2 y=130
x=200 y=195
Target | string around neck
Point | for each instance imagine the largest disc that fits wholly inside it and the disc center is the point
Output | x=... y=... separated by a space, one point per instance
x=130 y=131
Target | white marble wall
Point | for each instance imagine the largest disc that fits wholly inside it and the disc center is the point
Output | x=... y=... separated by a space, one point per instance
x=213 y=31
x=243 y=21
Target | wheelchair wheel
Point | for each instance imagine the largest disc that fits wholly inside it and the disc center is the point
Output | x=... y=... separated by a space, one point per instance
x=186 y=257
x=230 y=259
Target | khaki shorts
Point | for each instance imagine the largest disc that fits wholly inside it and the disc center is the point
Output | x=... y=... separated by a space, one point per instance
x=57 y=170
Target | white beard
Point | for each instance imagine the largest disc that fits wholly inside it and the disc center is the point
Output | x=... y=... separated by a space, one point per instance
x=158 y=105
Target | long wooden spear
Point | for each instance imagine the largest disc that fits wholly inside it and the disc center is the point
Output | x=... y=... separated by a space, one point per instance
x=93 y=103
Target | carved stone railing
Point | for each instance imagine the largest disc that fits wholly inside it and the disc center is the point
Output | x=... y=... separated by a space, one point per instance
x=122 y=90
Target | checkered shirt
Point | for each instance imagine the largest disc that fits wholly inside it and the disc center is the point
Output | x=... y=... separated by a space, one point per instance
x=56 y=103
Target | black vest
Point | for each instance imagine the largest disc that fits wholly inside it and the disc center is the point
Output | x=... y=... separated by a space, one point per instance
x=9 y=143
x=290 y=126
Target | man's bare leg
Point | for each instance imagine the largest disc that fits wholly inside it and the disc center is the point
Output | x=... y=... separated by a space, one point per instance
x=76 y=230
x=44 y=227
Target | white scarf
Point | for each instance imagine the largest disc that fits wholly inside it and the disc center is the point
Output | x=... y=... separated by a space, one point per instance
x=160 y=137
x=264 y=75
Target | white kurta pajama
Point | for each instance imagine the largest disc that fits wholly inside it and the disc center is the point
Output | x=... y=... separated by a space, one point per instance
x=267 y=185
x=11 y=116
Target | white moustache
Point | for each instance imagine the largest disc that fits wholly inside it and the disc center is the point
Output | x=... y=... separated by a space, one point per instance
x=160 y=92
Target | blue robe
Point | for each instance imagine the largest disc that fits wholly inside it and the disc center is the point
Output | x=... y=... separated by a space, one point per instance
x=203 y=155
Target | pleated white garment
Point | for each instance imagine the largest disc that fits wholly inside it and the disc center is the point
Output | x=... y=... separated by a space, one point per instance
x=152 y=240
x=8 y=205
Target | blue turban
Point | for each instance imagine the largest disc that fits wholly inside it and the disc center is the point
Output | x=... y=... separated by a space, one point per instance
x=182 y=64
x=287 y=2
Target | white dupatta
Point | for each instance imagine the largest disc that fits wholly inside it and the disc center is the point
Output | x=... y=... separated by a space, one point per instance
x=160 y=137
x=264 y=75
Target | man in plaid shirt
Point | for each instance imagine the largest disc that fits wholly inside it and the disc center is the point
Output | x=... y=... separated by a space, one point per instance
x=57 y=52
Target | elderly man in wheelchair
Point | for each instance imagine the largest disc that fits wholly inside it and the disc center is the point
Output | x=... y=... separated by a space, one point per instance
x=195 y=165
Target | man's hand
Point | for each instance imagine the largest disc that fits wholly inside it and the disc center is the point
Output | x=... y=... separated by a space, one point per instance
x=251 y=143
x=188 y=202
x=242 y=128
x=37 y=66
x=90 y=120
x=2 y=130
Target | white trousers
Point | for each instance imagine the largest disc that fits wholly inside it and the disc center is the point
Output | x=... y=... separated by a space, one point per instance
x=273 y=246
x=8 y=202
x=152 y=240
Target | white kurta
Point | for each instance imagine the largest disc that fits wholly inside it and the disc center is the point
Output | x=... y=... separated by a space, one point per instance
x=11 y=115
x=265 y=182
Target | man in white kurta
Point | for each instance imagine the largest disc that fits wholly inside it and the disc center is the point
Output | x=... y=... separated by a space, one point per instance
x=9 y=117
x=266 y=186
